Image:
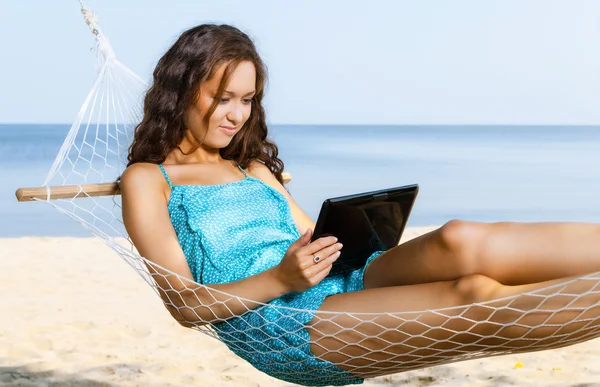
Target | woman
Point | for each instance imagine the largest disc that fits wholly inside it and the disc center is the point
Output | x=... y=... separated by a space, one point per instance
x=203 y=201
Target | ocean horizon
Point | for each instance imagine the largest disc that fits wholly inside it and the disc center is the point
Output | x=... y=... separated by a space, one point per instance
x=473 y=172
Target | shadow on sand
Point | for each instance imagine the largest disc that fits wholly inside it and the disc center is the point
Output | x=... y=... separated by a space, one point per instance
x=28 y=376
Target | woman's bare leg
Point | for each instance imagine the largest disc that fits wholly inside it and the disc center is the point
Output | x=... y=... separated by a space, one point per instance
x=511 y=253
x=378 y=343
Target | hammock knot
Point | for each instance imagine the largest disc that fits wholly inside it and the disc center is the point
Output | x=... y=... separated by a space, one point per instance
x=90 y=19
x=105 y=48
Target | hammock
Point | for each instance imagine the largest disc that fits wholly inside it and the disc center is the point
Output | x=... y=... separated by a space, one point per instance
x=81 y=184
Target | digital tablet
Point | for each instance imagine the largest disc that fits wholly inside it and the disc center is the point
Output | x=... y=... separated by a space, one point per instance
x=365 y=223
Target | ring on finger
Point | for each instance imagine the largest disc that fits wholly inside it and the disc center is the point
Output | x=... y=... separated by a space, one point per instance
x=316 y=258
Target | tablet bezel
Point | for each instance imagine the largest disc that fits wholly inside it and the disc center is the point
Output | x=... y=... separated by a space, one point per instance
x=344 y=264
x=356 y=199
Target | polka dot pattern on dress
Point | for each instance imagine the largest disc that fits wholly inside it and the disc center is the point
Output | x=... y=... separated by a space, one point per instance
x=232 y=231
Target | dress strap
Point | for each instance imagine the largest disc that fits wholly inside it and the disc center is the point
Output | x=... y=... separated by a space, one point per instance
x=165 y=175
x=241 y=169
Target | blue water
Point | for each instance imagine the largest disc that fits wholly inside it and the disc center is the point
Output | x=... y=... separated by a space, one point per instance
x=484 y=173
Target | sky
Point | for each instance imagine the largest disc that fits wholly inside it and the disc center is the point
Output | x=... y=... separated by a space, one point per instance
x=497 y=62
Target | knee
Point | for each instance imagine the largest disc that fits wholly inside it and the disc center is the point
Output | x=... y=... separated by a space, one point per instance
x=475 y=288
x=463 y=239
x=460 y=235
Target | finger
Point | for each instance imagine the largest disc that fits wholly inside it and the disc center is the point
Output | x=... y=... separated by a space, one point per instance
x=308 y=260
x=307 y=237
x=329 y=250
x=319 y=244
x=324 y=271
x=325 y=261
x=303 y=240
x=311 y=265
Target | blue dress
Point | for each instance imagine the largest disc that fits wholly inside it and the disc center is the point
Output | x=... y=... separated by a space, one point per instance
x=231 y=231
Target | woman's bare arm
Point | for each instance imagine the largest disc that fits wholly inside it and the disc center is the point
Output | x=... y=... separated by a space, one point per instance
x=147 y=221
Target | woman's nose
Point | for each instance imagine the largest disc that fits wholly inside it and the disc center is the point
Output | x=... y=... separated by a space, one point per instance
x=236 y=113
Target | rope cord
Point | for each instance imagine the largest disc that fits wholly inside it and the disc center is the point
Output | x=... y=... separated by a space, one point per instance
x=273 y=338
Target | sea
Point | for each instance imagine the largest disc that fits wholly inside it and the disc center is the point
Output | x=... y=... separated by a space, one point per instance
x=475 y=172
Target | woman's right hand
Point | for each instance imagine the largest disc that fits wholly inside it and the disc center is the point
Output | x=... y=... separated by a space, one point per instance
x=306 y=263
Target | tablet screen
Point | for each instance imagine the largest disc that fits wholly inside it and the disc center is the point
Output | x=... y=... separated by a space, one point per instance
x=364 y=225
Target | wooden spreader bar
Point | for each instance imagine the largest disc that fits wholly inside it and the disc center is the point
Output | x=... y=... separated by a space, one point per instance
x=80 y=191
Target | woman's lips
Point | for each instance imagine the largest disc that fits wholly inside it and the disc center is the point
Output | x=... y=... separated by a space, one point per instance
x=228 y=130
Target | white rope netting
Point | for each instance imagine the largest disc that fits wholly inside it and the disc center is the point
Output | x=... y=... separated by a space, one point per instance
x=365 y=344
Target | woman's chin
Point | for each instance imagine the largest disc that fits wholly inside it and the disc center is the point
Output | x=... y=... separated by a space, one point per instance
x=219 y=143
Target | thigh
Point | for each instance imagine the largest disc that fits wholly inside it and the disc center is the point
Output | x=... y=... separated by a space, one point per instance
x=391 y=329
x=440 y=255
x=420 y=260
x=373 y=332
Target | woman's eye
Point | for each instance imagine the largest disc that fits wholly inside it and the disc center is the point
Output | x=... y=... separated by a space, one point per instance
x=245 y=101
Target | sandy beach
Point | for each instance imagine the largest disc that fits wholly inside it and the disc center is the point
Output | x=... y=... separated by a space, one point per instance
x=74 y=314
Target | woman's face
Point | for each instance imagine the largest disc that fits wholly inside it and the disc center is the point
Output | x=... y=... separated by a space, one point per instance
x=232 y=111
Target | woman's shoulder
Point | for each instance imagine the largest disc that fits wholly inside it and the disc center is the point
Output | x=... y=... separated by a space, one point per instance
x=141 y=175
x=258 y=169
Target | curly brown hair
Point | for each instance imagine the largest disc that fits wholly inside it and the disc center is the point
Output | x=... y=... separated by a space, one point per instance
x=194 y=58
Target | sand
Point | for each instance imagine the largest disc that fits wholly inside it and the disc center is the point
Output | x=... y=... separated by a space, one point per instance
x=74 y=314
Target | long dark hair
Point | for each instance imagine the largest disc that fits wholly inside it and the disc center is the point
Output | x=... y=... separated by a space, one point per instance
x=193 y=59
